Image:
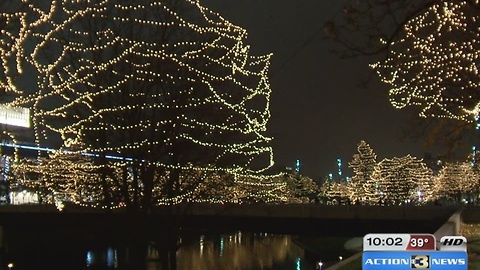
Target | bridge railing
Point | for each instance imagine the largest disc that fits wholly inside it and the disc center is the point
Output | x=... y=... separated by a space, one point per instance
x=322 y=211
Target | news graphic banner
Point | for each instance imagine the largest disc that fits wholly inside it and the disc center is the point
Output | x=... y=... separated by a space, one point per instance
x=405 y=251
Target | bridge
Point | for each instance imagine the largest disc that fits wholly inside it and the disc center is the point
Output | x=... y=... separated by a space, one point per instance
x=341 y=220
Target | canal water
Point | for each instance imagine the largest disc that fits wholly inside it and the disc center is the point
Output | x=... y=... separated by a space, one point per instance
x=230 y=251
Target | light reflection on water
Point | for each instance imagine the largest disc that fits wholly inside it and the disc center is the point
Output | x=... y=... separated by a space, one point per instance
x=247 y=251
x=241 y=251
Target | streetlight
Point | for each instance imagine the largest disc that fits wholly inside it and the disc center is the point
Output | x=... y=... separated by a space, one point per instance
x=10 y=266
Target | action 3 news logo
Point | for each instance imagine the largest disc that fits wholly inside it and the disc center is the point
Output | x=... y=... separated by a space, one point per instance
x=420 y=262
x=402 y=260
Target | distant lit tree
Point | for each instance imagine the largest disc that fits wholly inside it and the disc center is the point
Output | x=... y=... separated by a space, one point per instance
x=398 y=181
x=61 y=176
x=303 y=188
x=424 y=181
x=474 y=159
x=336 y=192
x=455 y=180
x=217 y=188
x=363 y=165
x=323 y=190
x=273 y=189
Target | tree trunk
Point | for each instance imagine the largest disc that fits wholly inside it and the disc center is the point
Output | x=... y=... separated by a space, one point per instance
x=135 y=199
x=124 y=189
x=172 y=183
x=105 y=189
x=148 y=177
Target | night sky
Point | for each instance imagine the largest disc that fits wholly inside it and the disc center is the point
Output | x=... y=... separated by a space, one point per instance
x=319 y=112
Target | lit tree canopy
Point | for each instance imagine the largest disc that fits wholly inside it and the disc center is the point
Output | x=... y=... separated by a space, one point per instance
x=429 y=51
x=433 y=62
x=163 y=86
x=112 y=70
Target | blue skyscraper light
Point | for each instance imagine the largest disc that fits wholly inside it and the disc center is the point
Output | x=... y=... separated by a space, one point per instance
x=339 y=164
x=297 y=165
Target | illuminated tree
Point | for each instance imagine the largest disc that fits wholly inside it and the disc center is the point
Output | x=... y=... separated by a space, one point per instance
x=217 y=188
x=423 y=176
x=400 y=179
x=273 y=189
x=336 y=192
x=363 y=165
x=303 y=188
x=323 y=190
x=61 y=176
x=25 y=176
x=456 y=179
x=444 y=184
x=427 y=51
x=432 y=64
x=474 y=159
x=165 y=94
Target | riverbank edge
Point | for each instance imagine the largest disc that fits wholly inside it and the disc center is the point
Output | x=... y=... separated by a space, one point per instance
x=354 y=258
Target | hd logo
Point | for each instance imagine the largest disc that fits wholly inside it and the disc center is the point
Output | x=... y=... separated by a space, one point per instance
x=420 y=262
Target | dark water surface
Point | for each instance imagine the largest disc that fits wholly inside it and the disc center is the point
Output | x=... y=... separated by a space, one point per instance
x=57 y=249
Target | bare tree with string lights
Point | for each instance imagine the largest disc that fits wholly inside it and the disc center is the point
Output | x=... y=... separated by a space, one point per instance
x=164 y=94
x=425 y=51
